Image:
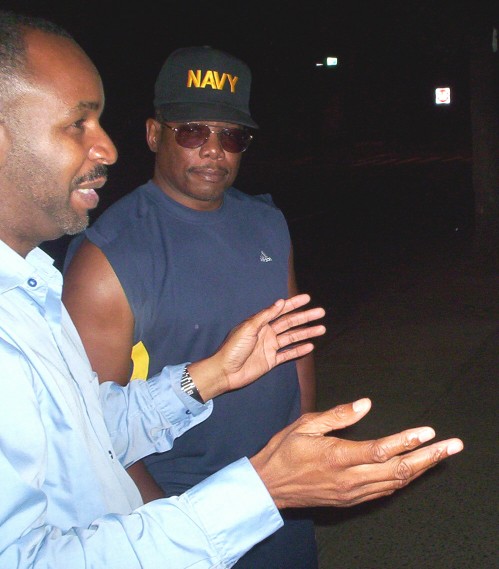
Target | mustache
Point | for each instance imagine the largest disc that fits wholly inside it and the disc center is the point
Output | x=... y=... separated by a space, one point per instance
x=208 y=169
x=100 y=171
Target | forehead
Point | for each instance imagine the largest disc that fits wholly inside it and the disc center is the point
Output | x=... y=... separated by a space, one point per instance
x=62 y=70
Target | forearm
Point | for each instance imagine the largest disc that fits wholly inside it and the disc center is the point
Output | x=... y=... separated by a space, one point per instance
x=305 y=367
x=200 y=528
x=145 y=417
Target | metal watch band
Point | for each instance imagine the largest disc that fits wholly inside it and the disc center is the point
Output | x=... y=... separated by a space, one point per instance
x=189 y=387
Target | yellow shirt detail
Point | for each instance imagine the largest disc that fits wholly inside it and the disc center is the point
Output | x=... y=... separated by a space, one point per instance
x=140 y=359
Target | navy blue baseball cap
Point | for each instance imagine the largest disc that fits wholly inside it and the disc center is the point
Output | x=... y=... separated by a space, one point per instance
x=201 y=83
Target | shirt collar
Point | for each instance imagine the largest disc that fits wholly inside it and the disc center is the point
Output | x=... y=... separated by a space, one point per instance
x=16 y=270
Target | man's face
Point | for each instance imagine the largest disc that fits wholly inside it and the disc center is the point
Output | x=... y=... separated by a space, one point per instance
x=57 y=152
x=197 y=177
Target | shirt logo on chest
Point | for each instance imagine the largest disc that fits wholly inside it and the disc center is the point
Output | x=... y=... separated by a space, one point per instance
x=264 y=258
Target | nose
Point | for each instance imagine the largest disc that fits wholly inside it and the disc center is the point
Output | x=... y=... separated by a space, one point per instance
x=212 y=147
x=103 y=149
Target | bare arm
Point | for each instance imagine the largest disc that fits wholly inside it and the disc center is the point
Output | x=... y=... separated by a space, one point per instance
x=99 y=308
x=306 y=365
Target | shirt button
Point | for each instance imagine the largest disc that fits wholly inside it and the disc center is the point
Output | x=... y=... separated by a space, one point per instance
x=32 y=282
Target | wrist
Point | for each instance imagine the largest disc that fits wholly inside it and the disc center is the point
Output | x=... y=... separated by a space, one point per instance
x=208 y=378
x=188 y=386
x=260 y=463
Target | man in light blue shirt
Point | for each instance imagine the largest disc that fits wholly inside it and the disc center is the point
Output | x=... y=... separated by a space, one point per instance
x=67 y=501
x=61 y=465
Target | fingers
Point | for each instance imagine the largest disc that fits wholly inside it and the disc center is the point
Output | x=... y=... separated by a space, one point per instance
x=410 y=466
x=383 y=449
x=339 y=417
x=299 y=335
x=283 y=306
x=399 y=452
x=405 y=468
x=293 y=353
x=275 y=315
x=336 y=418
x=295 y=302
x=279 y=308
x=387 y=447
x=402 y=470
x=293 y=320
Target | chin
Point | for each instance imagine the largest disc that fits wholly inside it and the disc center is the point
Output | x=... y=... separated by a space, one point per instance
x=76 y=225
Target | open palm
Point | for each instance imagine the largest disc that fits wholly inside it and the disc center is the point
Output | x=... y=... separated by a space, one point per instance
x=267 y=339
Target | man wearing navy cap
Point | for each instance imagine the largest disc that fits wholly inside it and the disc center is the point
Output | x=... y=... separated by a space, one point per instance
x=185 y=257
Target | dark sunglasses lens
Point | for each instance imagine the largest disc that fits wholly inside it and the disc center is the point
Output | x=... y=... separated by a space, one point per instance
x=192 y=135
x=235 y=139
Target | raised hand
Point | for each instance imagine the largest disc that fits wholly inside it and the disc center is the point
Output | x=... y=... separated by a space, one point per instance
x=269 y=338
x=301 y=467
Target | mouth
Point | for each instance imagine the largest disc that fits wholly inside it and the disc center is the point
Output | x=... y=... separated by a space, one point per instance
x=210 y=174
x=85 y=195
x=93 y=184
x=86 y=198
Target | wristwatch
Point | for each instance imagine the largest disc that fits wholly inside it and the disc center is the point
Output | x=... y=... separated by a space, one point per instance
x=188 y=386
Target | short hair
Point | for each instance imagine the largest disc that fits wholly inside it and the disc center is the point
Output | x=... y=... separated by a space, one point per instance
x=13 y=27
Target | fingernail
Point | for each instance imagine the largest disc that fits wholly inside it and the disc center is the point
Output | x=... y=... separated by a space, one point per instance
x=361 y=405
x=454 y=447
x=426 y=434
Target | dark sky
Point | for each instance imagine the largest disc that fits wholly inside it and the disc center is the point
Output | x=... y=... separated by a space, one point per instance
x=279 y=43
x=392 y=54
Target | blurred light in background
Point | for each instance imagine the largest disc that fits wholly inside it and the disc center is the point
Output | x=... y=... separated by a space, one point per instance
x=328 y=62
x=442 y=96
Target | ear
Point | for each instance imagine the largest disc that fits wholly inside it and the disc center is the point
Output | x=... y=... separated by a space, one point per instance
x=5 y=142
x=153 y=134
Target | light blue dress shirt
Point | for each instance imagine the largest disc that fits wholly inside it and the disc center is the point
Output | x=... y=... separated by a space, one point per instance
x=66 y=500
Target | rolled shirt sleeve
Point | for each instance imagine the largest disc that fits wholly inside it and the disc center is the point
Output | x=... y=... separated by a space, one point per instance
x=145 y=417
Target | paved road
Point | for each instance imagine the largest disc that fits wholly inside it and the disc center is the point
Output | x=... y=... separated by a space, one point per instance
x=413 y=323
x=425 y=348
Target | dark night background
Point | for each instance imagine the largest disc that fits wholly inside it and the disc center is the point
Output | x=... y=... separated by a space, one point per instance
x=381 y=189
x=359 y=158
x=380 y=98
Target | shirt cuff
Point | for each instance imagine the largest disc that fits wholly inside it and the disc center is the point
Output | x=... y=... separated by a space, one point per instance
x=171 y=376
x=235 y=508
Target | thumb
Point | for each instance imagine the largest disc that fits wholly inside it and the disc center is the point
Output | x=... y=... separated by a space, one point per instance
x=337 y=417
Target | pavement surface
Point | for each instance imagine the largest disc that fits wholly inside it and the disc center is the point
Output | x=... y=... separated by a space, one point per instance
x=423 y=345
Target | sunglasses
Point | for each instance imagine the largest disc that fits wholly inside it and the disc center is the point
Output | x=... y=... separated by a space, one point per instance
x=194 y=135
